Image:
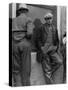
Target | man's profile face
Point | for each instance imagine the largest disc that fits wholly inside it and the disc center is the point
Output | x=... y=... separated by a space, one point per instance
x=22 y=12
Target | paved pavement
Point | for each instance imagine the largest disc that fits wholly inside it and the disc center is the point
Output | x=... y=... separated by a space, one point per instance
x=37 y=77
x=58 y=76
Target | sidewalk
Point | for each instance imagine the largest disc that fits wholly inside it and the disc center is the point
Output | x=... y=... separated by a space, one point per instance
x=36 y=77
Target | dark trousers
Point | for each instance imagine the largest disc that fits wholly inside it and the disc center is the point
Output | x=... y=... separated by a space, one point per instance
x=50 y=63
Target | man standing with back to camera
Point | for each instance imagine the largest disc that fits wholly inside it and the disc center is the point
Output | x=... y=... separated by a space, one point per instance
x=21 y=48
x=48 y=44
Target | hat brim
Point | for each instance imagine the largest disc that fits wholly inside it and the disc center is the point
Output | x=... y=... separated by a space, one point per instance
x=22 y=9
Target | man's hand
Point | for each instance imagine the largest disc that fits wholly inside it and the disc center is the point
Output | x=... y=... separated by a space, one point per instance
x=48 y=48
x=43 y=49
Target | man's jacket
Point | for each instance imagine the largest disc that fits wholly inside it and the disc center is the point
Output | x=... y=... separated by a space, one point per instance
x=20 y=23
x=39 y=39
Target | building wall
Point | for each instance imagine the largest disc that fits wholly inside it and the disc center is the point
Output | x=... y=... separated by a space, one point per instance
x=61 y=21
x=10 y=10
x=36 y=11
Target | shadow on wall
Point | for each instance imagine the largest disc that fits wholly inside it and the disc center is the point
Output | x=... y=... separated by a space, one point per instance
x=37 y=22
x=36 y=12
